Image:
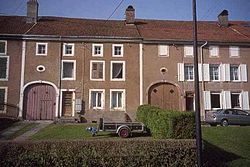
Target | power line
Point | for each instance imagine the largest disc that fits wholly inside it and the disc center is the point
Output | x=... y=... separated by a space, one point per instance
x=114 y=11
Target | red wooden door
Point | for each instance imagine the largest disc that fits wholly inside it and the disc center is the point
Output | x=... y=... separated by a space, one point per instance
x=165 y=96
x=39 y=102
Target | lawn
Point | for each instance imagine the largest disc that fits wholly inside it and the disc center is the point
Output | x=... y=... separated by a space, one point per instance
x=68 y=132
x=228 y=146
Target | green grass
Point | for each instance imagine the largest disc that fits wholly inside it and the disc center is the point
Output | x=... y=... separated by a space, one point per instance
x=21 y=131
x=67 y=132
x=232 y=144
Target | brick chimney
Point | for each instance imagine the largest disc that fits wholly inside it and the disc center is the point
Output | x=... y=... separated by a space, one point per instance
x=130 y=15
x=32 y=11
x=223 y=18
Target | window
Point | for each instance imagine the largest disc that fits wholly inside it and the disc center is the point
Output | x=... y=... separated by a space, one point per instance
x=117 y=70
x=3 y=99
x=97 y=70
x=163 y=50
x=235 y=100
x=188 y=51
x=41 y=49
x=4 y=67
x=215 y=100
x=234 y=51
x=68 y=69
x=117 y=99
x=214 y=72
x=234 y=72
x=97 y=50
x=68 y=49
x=117 y=50
x=96 y=98
x=213 y=51
x=3 y=47
x=189 y=72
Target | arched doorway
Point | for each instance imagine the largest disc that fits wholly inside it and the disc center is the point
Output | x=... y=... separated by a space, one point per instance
x=164 y=95
x=39 y=102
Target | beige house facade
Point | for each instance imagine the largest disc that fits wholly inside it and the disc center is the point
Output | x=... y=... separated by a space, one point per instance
x=83 y=69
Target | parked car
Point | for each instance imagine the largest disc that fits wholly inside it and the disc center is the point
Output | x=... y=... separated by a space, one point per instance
x=226 y=117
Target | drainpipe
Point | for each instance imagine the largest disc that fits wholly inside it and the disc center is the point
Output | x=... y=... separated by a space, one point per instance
x=60 y=79
x=202 y=81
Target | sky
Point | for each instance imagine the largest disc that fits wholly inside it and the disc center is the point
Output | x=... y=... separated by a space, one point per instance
x=145 y=9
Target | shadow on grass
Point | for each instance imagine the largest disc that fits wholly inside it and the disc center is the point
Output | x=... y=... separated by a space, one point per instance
x=214 y=156
x=6 y=123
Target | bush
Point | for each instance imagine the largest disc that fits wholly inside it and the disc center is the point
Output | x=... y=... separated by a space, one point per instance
x=130 y=152
x=167 y=123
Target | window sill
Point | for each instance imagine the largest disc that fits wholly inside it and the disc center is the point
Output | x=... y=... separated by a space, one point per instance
x=97 y=79
x=69 y=79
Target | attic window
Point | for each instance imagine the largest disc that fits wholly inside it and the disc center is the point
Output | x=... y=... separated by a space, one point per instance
x=41 y=49
x=68 y=49
x=97 y=50
x=117 y=50
x=163 y=50
x=188 y=51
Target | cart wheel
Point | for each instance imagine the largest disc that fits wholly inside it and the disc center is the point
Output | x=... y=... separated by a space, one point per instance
x=124 y=132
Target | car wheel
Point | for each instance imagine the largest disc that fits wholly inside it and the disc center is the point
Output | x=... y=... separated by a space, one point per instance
x=124 y=132
x=224 y=122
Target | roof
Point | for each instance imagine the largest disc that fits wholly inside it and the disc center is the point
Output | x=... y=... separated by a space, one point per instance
x=238 y=31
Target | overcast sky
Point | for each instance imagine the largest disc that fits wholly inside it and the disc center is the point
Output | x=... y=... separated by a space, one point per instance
x=147 y=9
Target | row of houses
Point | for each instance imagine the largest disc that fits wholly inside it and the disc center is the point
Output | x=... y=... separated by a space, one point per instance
x=55 y=67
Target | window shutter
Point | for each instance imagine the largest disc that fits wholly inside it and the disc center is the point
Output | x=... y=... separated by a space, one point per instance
x=226 y=99
x=207 y=100
x=180 y=71
x=206 y=73
x=163 y=50
x=200 y=72
x=245 y=100
x=226 y=72
x=243 y=72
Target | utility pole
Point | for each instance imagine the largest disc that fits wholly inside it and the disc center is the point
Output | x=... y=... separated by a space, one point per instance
x=196 y=87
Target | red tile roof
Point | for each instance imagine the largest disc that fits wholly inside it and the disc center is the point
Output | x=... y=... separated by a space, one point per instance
x=147 y=29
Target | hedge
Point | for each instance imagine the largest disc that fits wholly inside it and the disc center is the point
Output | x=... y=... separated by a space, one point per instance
x=101 y=153
x=165 y=124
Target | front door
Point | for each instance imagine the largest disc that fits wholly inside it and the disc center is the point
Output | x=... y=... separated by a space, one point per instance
x=39 y=102
x=67 y=101
x=165 y=96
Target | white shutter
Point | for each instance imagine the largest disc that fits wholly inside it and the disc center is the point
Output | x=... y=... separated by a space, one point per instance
x=206 y=74
x=227 y=72
x=180 y=71
x=163 y=50
x=207 y=100
x=245 y=100
x=200 y=71
x=243 y=72
x=226 y=99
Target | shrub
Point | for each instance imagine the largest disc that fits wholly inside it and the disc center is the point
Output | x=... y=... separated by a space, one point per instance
x=167 y=123
x=130 y=152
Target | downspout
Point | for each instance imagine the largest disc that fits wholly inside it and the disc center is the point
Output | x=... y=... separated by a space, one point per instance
x=202 y=82
x=141 y=73
x=20 y=115
x=60 y=79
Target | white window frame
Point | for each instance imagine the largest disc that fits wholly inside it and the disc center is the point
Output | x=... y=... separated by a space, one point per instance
x=188 y=73
x=93 y=50
x=5 y=49
x=64 y=49
x=212 y=50
x=74 y=69
x=5 y=99
x=233 y=50
x=239 y=77
x=211 y=79
x=240 y=98
x=102 y=99
x=186 y=48
x=103 y=72
x=113 y=50
x=216 y=93
x=124 y=71
x=46 y=49
x=123 y=108
x=7 y=68
x=166 y=50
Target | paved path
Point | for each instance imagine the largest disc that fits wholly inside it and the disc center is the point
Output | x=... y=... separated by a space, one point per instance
x=26 y=135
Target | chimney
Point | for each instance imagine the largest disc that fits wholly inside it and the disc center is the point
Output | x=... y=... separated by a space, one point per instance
x=32 y=11
x=130 y=15
x=223 y=18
